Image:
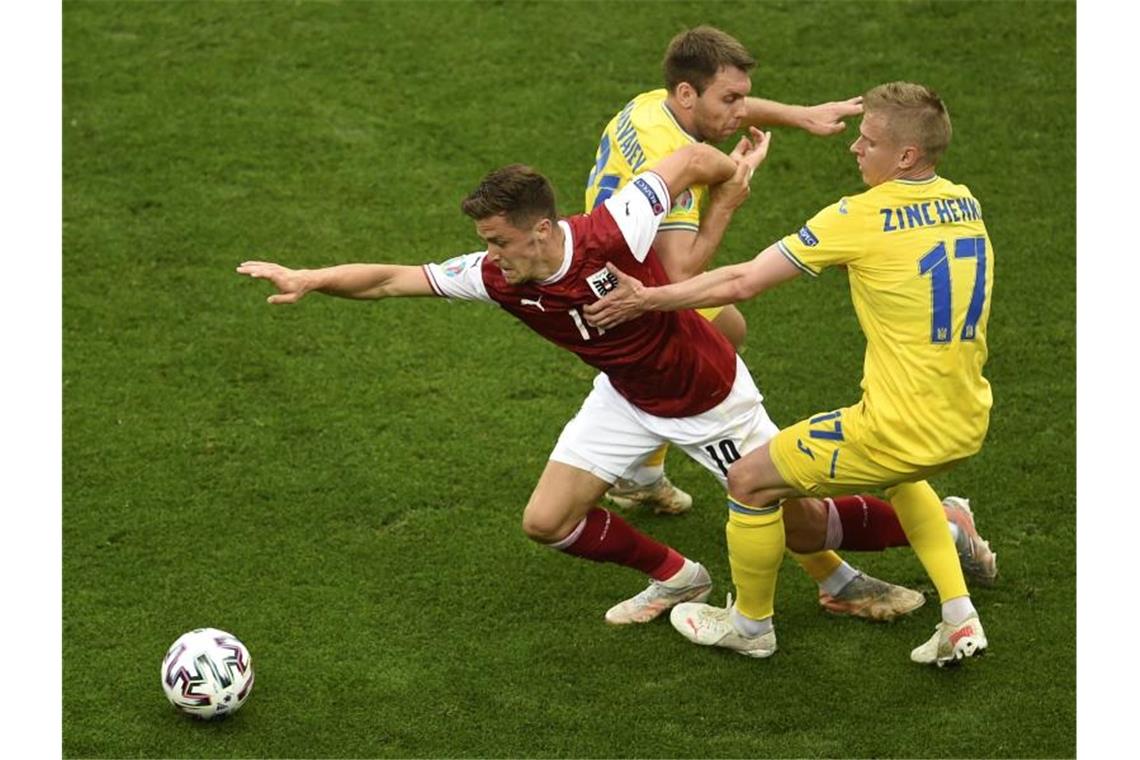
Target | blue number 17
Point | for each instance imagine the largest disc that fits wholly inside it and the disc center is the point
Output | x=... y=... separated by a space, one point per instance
x=937 y=265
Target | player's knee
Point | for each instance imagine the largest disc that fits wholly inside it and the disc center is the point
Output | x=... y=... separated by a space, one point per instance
x=742 y=485
x=545 y=528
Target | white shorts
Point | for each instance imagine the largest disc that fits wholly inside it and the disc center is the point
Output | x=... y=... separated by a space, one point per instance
x=610 y=437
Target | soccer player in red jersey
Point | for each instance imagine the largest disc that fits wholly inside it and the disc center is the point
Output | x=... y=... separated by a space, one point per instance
x=667 y=377
x=671 y=377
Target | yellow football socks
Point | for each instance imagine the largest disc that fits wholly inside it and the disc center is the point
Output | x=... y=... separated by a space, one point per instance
x=921 y=515
x=819 y=565
x=657 y=458
x=755 y=549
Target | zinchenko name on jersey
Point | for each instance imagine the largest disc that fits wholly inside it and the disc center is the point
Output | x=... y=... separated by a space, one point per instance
x=947 y=211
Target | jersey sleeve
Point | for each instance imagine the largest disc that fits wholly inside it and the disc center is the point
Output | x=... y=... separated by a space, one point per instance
x=638 y=209
x=829 y=238
x=661 y=138
x=685 y=213
x=460 y=277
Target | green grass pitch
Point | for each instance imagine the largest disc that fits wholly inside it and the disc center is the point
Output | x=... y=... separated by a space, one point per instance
x=340 y=484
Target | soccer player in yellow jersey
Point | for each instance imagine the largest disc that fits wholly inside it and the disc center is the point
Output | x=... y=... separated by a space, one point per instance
x=921 y=269
x=706 y=99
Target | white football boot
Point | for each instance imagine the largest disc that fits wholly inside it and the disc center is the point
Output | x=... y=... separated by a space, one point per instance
x=712 y=627
x=979 y=562
x=951 y=644
x=691 y=582
x=662 y=497
x=871 y=598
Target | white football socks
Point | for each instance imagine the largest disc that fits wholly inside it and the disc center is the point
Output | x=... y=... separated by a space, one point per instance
x=749 y=626
x=834 y=527
x=839 y=578
x=961 y=541
x=684 y=576
x=957 y=610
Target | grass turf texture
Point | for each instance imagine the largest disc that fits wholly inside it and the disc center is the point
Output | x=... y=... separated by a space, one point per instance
x=340 y=484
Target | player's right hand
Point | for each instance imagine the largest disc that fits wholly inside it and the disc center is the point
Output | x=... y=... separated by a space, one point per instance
x=290 y=283
x=827 y=119
x=621 y=304
x=754 y=155
x=748 y=154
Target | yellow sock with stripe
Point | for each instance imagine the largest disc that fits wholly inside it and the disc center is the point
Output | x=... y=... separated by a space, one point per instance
x=755 y=549
x=922 y=518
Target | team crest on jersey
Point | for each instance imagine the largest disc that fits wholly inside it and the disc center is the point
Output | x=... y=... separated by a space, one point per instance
x=455 y=266
x=647 y=191
x=684 y=202
x=843 y=206
x=808 y=237
x=602 y=281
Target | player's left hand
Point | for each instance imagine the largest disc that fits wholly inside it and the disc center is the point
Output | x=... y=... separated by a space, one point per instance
x=622 y=304
x=827 y=118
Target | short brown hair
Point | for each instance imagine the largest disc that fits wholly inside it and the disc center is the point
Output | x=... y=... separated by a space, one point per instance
x=516 y=191
x=696 y=55
x=915 y=114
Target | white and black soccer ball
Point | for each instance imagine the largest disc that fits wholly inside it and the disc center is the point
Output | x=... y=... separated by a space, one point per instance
x=207 y=673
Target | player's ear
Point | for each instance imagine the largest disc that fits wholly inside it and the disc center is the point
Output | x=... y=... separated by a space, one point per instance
x=686 y=94
x=909 y=157
x=543 y=227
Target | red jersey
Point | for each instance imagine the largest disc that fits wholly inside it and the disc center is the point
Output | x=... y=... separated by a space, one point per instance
x=669 y=364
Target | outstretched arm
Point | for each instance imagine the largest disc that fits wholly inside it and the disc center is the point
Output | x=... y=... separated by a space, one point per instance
x=345 y=280
x=823 y=119
x=717 y=287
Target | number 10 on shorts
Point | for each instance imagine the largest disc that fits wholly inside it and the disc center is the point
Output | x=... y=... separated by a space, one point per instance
x=723 y=453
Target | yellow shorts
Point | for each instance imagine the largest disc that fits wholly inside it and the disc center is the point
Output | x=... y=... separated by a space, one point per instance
x=825 y=455
x=711 y=313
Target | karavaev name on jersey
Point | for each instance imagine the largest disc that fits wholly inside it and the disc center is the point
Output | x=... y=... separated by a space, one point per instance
x=640 y=135
x=669 y=364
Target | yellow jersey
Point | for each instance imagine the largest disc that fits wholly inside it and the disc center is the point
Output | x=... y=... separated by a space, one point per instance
x=640 y=135
x=921 y=270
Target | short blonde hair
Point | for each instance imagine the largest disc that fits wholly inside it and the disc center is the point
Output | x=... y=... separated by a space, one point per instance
x=915 y=114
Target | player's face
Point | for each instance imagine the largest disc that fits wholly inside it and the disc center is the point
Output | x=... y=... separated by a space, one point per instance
x=517 y=252
x=719 y=110
x=876 y=150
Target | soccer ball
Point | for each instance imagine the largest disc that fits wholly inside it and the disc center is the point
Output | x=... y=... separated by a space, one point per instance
x=207 y=673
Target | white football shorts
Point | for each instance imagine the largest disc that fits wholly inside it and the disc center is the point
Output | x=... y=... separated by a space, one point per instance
x=610 y=437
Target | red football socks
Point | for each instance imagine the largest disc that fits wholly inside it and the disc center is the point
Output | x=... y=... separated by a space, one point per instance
x=869 y=523
x=606 y=537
